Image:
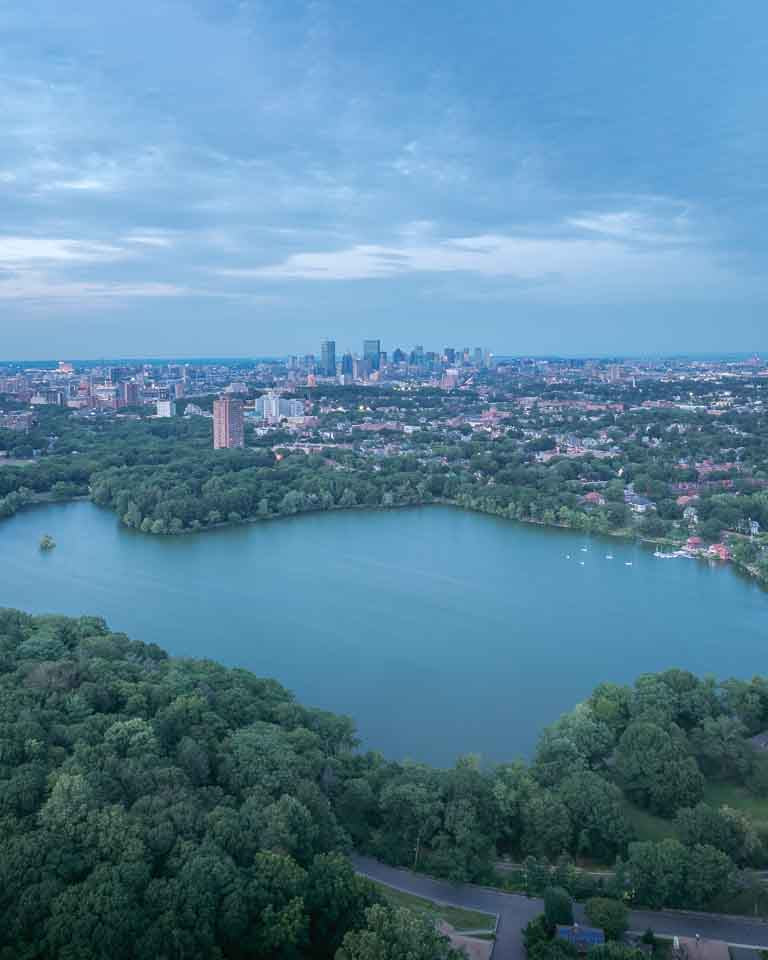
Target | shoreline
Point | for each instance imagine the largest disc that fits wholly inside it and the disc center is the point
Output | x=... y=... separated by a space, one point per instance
x=747 y=570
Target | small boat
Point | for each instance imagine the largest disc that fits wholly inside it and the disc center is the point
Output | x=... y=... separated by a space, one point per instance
x=581 y=563
x=47 y=542
x=609 y=556
x=583 y=549
x=627 y=563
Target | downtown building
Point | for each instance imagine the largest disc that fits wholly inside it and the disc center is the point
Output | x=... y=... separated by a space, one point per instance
x=228 y=423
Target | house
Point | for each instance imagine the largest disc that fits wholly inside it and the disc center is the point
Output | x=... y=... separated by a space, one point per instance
x=583 y=938
x=595 y=498
x=694 y=543
x=691 y=515
x=719 y=551
x=638 y=504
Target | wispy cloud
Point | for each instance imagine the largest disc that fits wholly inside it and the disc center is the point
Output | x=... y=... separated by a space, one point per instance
x=21 y=250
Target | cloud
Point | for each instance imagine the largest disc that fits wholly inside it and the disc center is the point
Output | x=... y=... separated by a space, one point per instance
x=606 y=256
x=22 y=250
x=33 y=285
x=85 y=183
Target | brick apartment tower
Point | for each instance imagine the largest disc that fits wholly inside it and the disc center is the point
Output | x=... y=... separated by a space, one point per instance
x=228 y=423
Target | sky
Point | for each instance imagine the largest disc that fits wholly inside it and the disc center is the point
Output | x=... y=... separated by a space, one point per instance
x=208 y=177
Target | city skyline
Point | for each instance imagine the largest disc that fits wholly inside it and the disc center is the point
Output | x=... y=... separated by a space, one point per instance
x=580 y=184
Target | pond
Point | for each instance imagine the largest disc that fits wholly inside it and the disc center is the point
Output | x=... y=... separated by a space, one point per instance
x=439 y=631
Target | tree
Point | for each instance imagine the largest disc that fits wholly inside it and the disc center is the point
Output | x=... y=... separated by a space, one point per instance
x=656 y=769
x=669 y=874
x=725 y=829
x=653 y=873
x=719 y=744
x=609 y=915
x=710 y=873
x=395 y=934
x=336 y=900
x=599 y=824
x=558 y=908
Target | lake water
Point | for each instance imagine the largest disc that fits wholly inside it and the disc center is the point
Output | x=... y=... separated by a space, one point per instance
x=439 y=631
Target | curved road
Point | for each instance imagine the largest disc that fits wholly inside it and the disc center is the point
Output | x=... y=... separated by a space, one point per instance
x=515 y=910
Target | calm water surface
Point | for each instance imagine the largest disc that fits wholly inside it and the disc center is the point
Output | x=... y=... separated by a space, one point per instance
x=440 y=632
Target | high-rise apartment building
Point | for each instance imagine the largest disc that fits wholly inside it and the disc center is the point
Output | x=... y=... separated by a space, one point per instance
x=129 y=393
x=372 y=353
x=328 y=358
x=228 y=423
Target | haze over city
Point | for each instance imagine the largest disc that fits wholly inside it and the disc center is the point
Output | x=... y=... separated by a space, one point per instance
x=586 y=183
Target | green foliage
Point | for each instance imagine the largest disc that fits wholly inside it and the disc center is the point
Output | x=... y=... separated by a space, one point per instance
x=668 y=874
x=656 y=768
x=535 y=932
x=147 y=801
x=609 y=915
x=392 y=933
x=615 y=951
x=146 y=792
x=725 y=829
x=558 y=908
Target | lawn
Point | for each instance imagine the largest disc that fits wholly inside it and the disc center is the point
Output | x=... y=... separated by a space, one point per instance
x=737 y=796
x=647 y=825
x=458 y=919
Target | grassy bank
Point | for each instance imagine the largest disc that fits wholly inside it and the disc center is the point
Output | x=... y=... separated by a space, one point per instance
x=460 y=920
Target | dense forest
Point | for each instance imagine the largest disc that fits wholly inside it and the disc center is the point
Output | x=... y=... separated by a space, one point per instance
x=157 y=808
x=171 y=808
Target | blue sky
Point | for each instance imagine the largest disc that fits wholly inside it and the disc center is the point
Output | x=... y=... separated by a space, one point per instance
x=228 y=178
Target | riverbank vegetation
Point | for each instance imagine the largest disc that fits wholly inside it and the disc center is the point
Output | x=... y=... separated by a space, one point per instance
x=663 y=475
x=144 y=798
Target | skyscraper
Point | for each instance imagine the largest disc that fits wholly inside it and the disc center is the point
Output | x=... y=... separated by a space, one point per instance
x=346 y=364
x=328 y=358
x=372 y=353
x=228 y=423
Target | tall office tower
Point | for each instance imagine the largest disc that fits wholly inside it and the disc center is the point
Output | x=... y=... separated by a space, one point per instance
x=372 y=353
x=450 y=356
x=478 y=358
x=399 y=356
x=346 y=364
x=228 y=423
x=328 y=358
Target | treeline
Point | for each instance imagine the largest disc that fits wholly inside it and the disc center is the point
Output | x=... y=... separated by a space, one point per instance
x=165 y=808
x=654 y=744
x=161 y=476
x=157 y=808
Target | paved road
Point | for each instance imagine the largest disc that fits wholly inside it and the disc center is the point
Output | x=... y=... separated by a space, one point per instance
x=515 y=911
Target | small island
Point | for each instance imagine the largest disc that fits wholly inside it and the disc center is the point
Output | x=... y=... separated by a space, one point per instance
x=47 y=542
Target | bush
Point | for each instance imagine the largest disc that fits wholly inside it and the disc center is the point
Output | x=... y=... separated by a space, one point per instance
x=609 y=915
x=535 y=932
x=558 y=908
